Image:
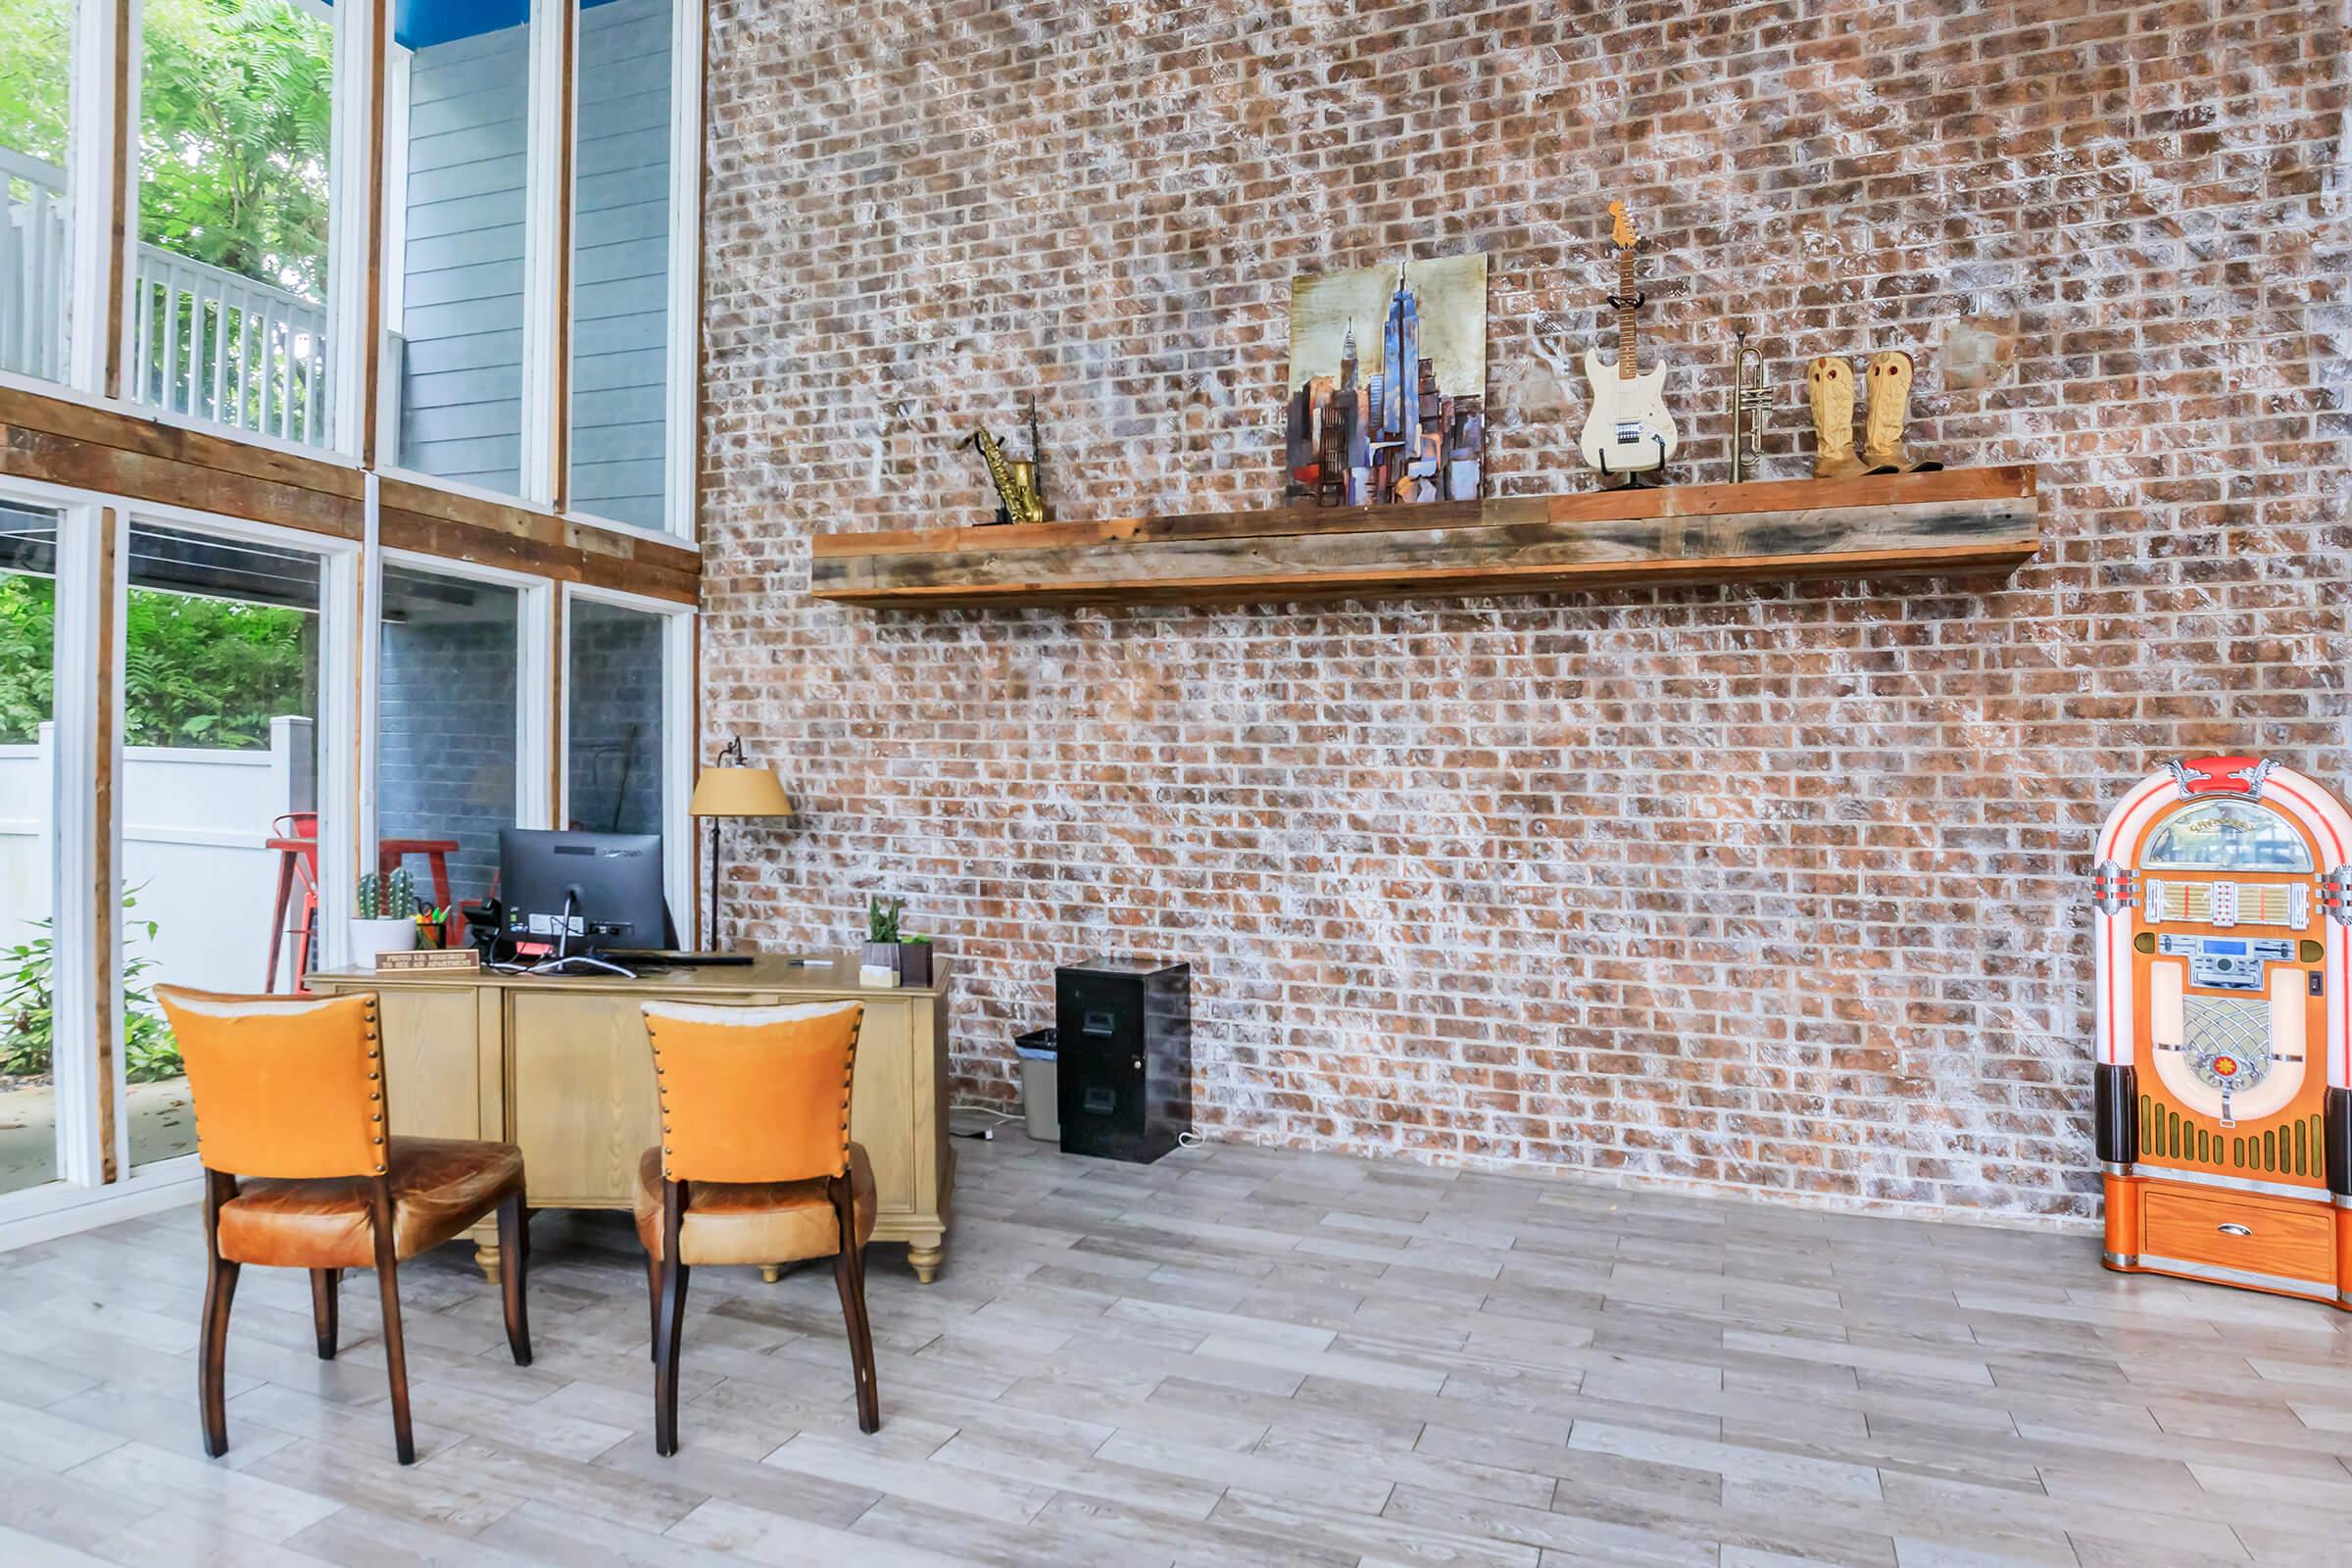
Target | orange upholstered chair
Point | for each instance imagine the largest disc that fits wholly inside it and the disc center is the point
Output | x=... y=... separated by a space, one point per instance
x=754 y=1167
x=300 y=1172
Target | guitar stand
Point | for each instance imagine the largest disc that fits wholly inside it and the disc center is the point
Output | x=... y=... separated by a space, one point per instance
x=1650 y=479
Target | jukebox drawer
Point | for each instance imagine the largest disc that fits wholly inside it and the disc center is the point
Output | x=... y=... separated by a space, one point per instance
x=2286 y=1240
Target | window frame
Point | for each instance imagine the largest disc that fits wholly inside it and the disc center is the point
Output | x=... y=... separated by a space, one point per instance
x=677 y=721
x=682 y=346
x=534 y=688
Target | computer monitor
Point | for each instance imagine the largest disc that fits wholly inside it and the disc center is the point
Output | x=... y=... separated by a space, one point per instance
x=582 y=892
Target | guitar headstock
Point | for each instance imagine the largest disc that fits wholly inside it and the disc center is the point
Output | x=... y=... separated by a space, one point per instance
x=1621 y=228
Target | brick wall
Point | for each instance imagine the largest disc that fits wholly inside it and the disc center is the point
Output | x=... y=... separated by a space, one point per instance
x=446 y=767
x=1764 y=887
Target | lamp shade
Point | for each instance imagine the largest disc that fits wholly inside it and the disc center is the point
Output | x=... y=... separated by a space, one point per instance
x=739 y=792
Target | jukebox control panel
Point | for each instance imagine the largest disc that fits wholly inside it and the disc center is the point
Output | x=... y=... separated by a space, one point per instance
x=2229 y=963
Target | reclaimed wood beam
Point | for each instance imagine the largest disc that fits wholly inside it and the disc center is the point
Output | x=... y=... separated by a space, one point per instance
x=1939 y=523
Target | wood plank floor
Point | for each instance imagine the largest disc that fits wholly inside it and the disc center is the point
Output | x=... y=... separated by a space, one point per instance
x=1235 y=1357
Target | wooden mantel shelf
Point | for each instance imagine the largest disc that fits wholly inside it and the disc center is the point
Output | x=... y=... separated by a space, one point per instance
x=1958 y=520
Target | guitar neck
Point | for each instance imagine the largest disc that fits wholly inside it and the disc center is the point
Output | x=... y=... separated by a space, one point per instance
x=1625 y=314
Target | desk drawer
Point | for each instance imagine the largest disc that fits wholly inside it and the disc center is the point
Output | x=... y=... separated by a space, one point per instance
x=2283 y=1239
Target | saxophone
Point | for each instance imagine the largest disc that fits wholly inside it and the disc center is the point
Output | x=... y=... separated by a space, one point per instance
x=1019 y=501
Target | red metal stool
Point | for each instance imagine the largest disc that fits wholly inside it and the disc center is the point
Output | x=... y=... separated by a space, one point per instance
x=295 y=838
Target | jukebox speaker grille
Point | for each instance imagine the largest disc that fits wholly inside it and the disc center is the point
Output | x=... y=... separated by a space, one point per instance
x=2227 y=1025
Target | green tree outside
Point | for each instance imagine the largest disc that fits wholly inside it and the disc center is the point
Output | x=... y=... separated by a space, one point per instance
x=236 y=120
x=195 y=671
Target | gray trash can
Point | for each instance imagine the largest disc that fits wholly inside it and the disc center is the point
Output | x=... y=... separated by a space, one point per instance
x=1040 y=1083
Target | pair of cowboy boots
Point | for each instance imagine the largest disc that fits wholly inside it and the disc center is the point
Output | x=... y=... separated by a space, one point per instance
x=1887 y=399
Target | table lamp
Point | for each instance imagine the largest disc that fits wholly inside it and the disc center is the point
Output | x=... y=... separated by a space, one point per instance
x=732 y=787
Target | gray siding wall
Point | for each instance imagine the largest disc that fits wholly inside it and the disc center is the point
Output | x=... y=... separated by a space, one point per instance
x=462 y=402
x=621 y=264
x=461 y=385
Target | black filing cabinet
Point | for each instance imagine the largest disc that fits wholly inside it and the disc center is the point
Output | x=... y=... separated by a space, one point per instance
x=1126 y=1068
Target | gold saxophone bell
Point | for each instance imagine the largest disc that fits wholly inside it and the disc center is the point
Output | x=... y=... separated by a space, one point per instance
x=1016 y=494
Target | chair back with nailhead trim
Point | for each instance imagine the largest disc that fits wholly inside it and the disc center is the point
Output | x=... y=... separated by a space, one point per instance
x=752 y=1094
x=283 y=1087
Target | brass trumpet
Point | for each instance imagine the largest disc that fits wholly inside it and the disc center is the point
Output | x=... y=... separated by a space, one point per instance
x=1747 y=402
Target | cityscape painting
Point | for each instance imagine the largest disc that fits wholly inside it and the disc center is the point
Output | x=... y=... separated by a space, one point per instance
x=1388 y=384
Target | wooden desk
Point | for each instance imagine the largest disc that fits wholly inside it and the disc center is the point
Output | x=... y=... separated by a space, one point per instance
x=560 y=1066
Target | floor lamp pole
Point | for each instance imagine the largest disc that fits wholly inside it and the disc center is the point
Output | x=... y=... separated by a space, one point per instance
x=714 y=885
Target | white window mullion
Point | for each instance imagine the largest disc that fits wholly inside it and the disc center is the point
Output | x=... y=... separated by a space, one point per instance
x=74 y=975
x=351 y=163
x=91 y=161
x=546 y=200
x=683 y=428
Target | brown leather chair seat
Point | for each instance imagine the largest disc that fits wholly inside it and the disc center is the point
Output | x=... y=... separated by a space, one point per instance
x=754 y=1222
x=439 y=1188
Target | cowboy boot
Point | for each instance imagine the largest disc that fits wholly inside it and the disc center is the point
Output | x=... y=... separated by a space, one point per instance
x=1888 y=405
x=1830 y=384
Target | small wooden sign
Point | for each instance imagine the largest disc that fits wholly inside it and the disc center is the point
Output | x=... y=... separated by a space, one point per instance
x=453 y=958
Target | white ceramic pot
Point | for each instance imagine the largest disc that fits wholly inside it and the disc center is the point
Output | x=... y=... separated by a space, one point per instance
x=372 y=937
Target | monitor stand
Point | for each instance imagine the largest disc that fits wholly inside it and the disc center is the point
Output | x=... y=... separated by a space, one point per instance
x=561 y=963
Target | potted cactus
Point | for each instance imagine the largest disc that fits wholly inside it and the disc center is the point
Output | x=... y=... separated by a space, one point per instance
x=386 y=922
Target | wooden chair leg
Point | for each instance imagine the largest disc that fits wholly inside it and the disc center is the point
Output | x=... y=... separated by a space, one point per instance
x=396 y=1355
x=515 y=1252
x=849 y=1276
x=653 y=1298
x=669 y=1323
x=325 y=1316
x=219 y=1291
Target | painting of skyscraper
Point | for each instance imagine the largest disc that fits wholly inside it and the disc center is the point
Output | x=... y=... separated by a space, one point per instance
x=1388 y=384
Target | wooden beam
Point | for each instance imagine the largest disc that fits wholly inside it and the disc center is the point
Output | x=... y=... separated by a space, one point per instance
x=118 y=199
x=372 y=311
x=1892 y=525
x=104 y=450
x=104 y=904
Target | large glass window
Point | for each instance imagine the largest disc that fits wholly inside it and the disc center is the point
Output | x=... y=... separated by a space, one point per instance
x=621 y=236
x=229 y=303
x=29 y=1155
x=613 y=757
x=37 y=288
x=448 y=729
x=219 y=790
x=457 y=207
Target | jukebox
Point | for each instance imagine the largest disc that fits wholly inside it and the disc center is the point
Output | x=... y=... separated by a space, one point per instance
x=2223 y=1096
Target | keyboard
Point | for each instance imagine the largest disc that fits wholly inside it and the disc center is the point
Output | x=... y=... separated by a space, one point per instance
x=676 y=958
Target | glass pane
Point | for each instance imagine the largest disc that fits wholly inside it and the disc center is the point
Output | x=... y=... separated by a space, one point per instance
x=219 y=790
x=229 y=295
x=2226 y=836
x=37 y=72
x=27 y=853
x=612 y=744
x=621 y=264
x=447 y=742
x=453 y=240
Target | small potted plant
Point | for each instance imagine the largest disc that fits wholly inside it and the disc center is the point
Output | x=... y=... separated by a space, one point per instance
x=387 y=917
x=879 y=960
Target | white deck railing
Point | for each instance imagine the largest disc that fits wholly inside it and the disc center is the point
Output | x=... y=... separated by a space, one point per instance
x=33 y=256
x=204 y=341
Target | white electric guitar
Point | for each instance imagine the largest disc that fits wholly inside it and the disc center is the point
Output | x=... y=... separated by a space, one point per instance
x=1628 y=430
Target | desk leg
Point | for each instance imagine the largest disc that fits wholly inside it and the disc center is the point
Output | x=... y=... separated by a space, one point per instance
x=770 y=1273
x=485 y=1250
x=924 y=1257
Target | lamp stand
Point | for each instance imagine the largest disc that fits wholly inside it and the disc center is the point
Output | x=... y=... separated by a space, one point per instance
x=713 y=947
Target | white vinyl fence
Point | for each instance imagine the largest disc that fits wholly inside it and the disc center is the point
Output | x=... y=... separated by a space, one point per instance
x=194 y=826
